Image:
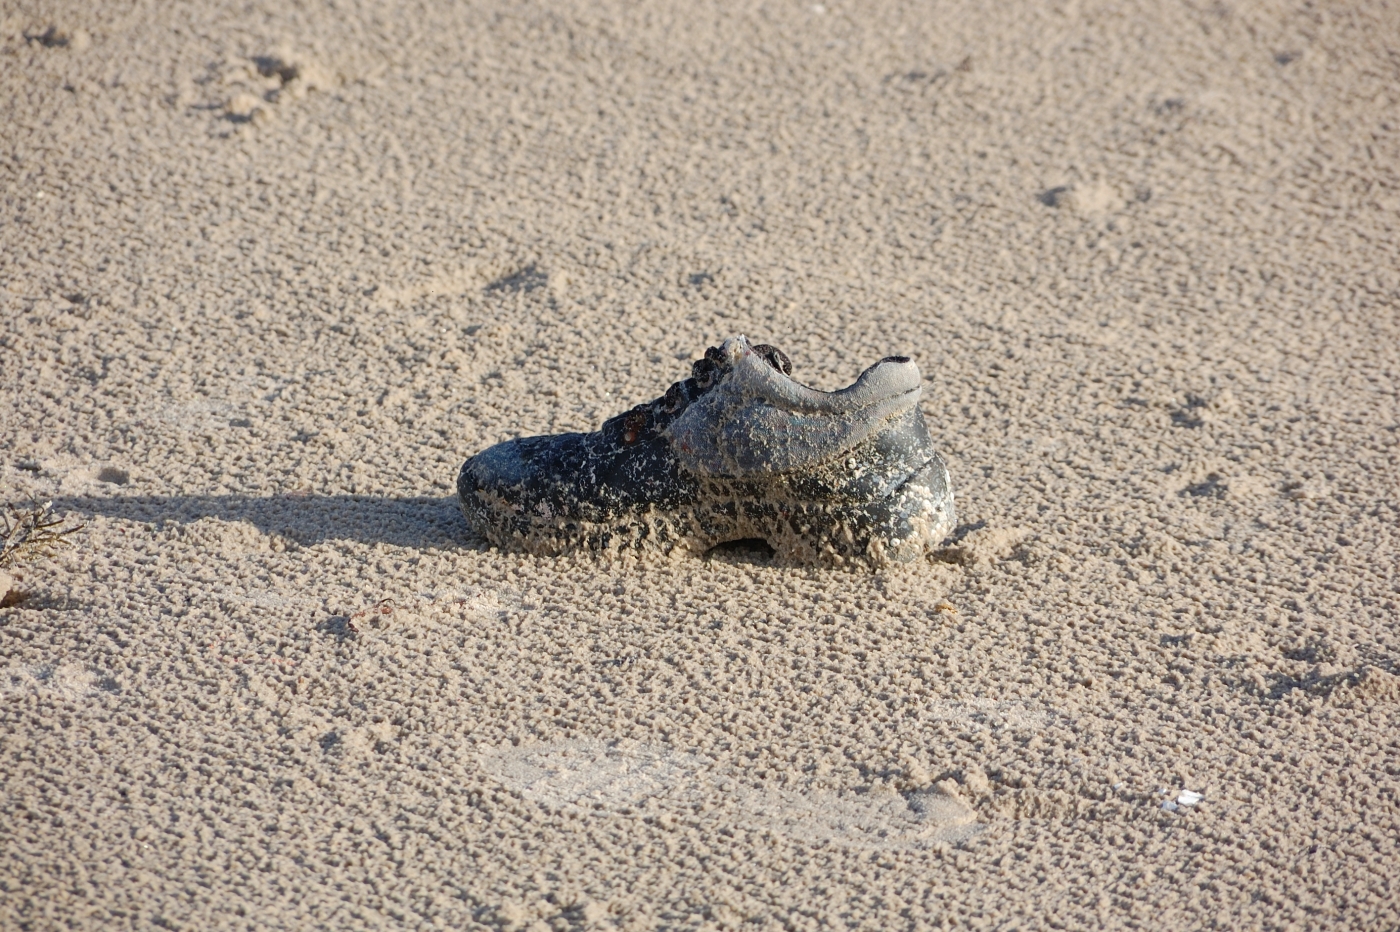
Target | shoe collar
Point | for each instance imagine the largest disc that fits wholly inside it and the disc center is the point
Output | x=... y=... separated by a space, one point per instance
x=757 y=421
x=750 y=375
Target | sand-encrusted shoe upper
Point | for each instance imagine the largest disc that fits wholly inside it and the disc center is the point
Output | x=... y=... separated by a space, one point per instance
x=737 y=450
x=758 y=421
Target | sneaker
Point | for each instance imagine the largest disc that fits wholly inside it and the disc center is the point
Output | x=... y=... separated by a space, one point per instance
x=737 y=451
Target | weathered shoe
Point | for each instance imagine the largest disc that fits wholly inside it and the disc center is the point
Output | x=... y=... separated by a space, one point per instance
x=738 y=450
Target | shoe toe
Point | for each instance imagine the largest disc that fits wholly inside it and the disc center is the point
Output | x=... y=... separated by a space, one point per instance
x=491 y=490
x=495 y=468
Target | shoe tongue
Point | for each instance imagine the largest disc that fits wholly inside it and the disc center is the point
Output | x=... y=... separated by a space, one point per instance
x=719 y=360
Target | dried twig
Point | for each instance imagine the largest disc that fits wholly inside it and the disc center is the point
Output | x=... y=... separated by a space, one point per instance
x=382 y=607
x=31 y=531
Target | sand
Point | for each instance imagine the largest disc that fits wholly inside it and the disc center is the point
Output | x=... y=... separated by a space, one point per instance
x=268 y=274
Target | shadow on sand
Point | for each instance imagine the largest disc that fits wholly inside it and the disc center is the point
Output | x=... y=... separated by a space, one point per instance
x=306 y=519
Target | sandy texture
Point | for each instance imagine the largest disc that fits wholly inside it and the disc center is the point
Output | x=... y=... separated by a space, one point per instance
x=269 y=274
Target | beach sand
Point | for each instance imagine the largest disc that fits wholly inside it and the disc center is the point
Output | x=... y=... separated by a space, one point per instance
x=270 y=272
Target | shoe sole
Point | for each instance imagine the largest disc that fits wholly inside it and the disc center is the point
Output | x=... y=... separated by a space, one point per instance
x=897 y=528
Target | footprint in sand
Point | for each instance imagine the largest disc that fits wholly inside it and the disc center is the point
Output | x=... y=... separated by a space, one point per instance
x=596 y=777
x=260 y=83
x=71 y=681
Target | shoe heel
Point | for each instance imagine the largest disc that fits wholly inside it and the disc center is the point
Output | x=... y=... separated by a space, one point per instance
x=898 y=528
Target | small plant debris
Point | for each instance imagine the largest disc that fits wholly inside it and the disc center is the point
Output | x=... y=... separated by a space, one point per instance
x=373 y=617
x=31 y=531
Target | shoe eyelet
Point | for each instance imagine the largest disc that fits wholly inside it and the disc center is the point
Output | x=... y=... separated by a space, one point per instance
x=632 y=427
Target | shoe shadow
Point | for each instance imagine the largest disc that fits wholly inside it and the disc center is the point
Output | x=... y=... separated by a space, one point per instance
x=418 y=523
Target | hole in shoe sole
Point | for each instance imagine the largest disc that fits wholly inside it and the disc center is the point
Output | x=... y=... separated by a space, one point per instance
x=745 y=548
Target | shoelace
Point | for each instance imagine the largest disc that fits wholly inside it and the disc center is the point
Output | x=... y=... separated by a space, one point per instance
x=655 y=416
